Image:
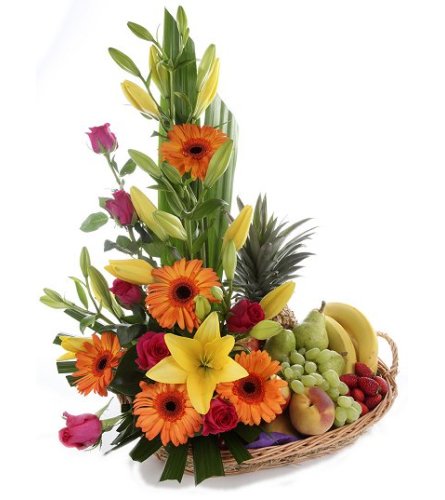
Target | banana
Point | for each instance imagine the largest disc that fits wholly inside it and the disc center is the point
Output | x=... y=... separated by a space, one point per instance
x=359 y=328
x=340 y=341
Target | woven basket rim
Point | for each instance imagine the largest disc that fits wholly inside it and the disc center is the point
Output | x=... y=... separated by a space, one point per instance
x=313 y=446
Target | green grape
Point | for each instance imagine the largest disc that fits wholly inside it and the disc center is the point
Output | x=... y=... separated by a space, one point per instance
x=352 y=415
x=345 y=401
x=333 y=393
x=357 y=407
x=285 y=365
x=298 y=370
x=343 y=388
x=339 y=423
x=312 y=353
x=297 y=386
x=302 y=350
x=341 y=414
x=332 y=377
x=325 y=385
x=318 y=379
x=289 y=373
x=310 y=367
x=308 y=380
x=325 y=355
x=297 y=358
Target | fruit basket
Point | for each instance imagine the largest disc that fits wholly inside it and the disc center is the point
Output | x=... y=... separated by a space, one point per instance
x=315 y=446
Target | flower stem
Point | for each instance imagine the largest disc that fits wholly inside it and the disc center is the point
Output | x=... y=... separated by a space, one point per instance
x=111 y=165
x=189 y=230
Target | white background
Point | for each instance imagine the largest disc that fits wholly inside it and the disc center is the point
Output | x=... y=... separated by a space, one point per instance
x=341 y=107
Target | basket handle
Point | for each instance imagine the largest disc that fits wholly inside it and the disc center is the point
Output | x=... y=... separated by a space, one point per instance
x=395 y=353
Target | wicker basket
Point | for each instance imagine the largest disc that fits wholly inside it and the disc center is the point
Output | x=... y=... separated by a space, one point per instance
x=315 y=446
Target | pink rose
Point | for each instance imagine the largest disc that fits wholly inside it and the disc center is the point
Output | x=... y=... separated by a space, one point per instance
x=81 y=431
x=244 y=315
x=127 y=293
x=221 y=417
x=121 y=208
x=102 y=139
x=151 y=348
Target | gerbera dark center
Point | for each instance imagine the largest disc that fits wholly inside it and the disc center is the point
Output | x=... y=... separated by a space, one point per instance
x=183 y=292
x=196 y=150
x=170 y=406
x=102 y=363
x=249 y=387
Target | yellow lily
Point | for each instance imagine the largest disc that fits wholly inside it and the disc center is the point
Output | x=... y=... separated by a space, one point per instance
x=201 y=362
x=145 y=209
x=208 y=90
x=72 y=346
x=239 y=229
x=274 y=302
x=134 y=271
x=140 y=98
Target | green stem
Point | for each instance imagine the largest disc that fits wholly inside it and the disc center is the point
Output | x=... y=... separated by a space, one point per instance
x=189 y=229
x=134 y=240
x=172 y=97
x=228 y=297
x=111 y=165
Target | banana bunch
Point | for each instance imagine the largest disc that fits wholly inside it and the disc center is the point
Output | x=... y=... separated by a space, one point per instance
x=351 y=334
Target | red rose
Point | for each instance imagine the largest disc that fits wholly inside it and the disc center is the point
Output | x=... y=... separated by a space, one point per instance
x=128 y=294
x=221 y=417
x=121 y=207
x=151 y=348
x=244 y=315
x=102 y=139
x=81 y=431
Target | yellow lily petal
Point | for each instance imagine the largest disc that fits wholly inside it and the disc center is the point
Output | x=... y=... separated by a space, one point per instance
x=239 y=229
x=145 y=209
x=218 y=350
x=140 y=98
x=185 y=351
x=209 y=329
x=200 y=387
x=168 y=372
x=134 y=271
x=231 y=371
x=74 y=344
x=67 y=355
x=274 y=302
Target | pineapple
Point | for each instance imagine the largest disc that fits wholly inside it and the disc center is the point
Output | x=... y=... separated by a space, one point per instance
x=269 y=257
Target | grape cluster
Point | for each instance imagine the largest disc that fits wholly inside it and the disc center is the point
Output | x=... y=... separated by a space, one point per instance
x=315 y=368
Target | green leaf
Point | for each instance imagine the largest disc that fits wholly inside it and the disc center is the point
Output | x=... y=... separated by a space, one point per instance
x=72 y=380
x=127 y=377
x=206 y=208
x=127 y=334
x=200 y=240
x=247 y=432
x=206 y=458
x=236 y=447
x=48 y=301
x=128 y=168
x=94 y=222
x=124 y=61
x=66 y=366
x=103 y=201
x=141 y=32
x=145 y=448
x=87 y=322
x=78 y=316
x=85 y=261
x=175 y=465
x=80 y=288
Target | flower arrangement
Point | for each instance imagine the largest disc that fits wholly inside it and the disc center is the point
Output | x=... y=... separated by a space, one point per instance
x=194 y=334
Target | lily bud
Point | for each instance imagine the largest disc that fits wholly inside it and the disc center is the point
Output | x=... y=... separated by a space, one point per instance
x=202 y=307
x=140 y=99
x=239 y=229
x=273 y=303
x=217 y=293
x=208 y=91
x=171 y=224
x=266 y=329
x=72 y=346
x=218 y=164
x=205 y=65
x=100 y=287
x=145 y=210
x=134 y=271
x=146 y=163
x=159 y=73
x=229 y=260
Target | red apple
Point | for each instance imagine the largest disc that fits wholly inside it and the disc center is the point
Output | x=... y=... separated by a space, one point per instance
x=312 y=412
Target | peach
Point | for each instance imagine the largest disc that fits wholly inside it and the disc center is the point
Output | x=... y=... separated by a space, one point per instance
x=281 y=424
x=312 y=412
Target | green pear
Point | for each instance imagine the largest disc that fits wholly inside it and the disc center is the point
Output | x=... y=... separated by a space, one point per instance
x=312 y=332
x=280 y=345
x=335 y=362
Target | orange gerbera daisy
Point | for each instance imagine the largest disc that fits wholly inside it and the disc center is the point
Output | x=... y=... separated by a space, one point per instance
x=190 y=148
x=170 y=299
x=165 y=409
x=258 y=396
x=95 y=364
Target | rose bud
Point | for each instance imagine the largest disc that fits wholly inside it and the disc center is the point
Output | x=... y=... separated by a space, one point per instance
x=121 y=207
x=221 y=417
x=151 y=348
x=244 y=315
x=127 y=294
x=102 y=139
x=81 y=431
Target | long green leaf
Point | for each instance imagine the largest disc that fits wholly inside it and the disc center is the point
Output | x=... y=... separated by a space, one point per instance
x=145 y=448
x=236 y=447
x=127 y=377
x=176 y=462
x=206 y=458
